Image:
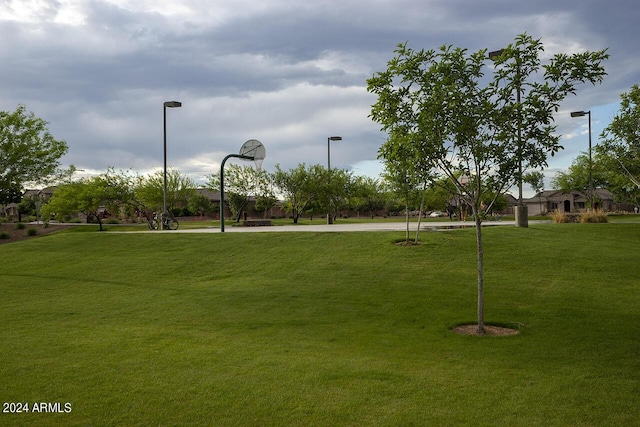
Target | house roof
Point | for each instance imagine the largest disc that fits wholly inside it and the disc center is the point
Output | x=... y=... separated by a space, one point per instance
x=559 y=196
x=214 y=196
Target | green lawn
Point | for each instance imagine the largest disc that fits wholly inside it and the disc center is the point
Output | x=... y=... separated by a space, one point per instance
x=322 y=328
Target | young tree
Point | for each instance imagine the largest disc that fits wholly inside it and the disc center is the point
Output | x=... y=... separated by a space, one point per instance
x=336 y=190
x=241 y=184
x=367 y=195
x=409 y=171
x=265 y=202
x=91 y=196
x=437 y=100
x=149 y=190
x=28 y=153
x=300 y=187
x=201 y=205
x=401 y=183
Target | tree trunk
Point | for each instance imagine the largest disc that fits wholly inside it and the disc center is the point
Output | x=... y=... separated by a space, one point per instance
x=424 y=192
x=406 y=217
x=478 y=221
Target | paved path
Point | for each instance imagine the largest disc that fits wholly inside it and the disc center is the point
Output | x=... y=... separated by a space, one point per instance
x=373 y=226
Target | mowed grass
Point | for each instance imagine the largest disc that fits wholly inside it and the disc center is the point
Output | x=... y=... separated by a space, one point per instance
x=323 y=328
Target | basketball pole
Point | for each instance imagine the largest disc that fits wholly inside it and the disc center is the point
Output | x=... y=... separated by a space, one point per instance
x=239 y=156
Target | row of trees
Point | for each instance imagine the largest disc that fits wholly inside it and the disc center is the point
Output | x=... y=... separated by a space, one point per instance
x=306 y=190
x=125 y=193
x=30 y=156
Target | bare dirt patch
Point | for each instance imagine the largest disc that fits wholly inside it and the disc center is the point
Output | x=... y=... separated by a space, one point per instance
x=15 y=234
x=405 y=243
x=489 y=330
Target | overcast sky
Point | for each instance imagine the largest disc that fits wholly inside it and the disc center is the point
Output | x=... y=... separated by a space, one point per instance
x=289 y=73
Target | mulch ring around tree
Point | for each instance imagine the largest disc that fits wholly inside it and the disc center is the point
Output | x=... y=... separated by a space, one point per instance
x=12 y=232
x=489 y=330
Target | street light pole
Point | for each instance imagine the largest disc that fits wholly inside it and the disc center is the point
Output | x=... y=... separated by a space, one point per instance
x=522 y=211
x=329 y=139
x=169 y=104
x=590 y=190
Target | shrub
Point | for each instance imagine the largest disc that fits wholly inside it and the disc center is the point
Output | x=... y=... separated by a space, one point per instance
x=593 y=217
x=32 y=232
x=4 y=235
x=559 y=217
x=20 y=226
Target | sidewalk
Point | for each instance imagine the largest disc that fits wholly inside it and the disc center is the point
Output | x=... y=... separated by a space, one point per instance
x=337 y=228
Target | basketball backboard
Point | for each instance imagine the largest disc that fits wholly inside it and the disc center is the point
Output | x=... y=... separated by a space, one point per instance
x=253 y=148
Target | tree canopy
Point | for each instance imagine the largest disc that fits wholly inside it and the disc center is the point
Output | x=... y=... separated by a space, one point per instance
x=149 y=190
x=28 y=153
x=619 y=149
x=300 y=187
x=94 y=197
x=439 y=105
x=240 y=184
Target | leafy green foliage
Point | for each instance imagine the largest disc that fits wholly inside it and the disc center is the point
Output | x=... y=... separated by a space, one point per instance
x=28 y=153
x=576 y=178
x=201 y=205
x=300 y=187
x=535 y=179
x=366 y=195
x=149 y=190
x=94 y=197
x=240 y=184
x=439 y=114
x=619 y=150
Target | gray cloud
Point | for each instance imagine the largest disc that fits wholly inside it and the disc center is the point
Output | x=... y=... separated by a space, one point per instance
x=288 y=73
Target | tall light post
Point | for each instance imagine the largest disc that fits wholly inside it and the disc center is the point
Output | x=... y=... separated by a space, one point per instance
x=590 y=190
x=522 y=211
x=329 y=139
x=167 y=104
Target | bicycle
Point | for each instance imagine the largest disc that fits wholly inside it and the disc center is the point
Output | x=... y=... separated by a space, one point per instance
x=168 y=222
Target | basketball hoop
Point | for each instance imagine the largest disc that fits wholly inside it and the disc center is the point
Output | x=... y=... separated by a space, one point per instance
x=253 y=150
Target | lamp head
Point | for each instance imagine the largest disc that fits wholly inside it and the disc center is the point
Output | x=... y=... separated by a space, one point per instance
x=579 y=113
x=495 y=54
x=173 y=104
x=335 y=138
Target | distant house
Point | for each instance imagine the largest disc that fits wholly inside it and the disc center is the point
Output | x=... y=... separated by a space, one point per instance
x=11 y=210
x=575 y=201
